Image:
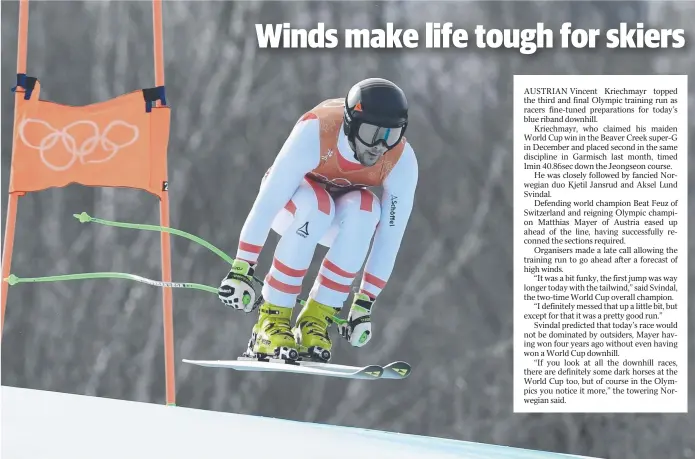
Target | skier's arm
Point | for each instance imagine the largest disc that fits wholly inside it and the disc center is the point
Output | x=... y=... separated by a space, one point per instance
x=396 y=206
x=298 y=156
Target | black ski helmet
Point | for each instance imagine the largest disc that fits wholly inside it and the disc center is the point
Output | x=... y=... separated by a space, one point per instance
x=376 y=111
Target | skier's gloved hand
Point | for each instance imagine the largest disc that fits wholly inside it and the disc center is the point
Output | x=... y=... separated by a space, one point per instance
x=358 y=329
x=237 y=290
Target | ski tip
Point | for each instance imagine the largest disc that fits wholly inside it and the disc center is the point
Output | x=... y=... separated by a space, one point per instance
x=203 y=363
x=400 y=368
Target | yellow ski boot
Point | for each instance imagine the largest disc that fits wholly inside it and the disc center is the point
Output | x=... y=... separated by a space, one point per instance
x=311 y=331
x=271 y=336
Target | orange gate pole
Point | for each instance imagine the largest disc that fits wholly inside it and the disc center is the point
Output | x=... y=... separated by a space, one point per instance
x=8 y=244
x=167 y=296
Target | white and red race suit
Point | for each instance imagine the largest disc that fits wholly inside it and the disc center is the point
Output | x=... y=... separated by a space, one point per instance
x=316 y=192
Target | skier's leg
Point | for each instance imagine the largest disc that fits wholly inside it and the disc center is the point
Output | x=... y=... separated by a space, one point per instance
x=357 y=215
x=301 y=224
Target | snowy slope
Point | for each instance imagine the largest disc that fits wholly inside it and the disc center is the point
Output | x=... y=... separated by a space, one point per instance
x=50 y=425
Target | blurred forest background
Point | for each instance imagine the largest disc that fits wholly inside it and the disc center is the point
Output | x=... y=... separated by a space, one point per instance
x=448 y=307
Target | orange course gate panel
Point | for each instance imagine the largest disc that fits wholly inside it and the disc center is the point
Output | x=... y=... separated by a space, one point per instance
x=115 y=143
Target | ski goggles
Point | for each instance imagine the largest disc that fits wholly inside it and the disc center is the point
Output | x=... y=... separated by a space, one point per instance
x=372 y=135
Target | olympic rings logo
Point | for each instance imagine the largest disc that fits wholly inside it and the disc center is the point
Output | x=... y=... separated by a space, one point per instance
x=68 y=141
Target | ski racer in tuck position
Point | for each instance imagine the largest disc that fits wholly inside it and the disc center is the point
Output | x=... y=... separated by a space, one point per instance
x=316 y=192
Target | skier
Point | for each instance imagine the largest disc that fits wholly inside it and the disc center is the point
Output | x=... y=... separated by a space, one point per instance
x=316 y=192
